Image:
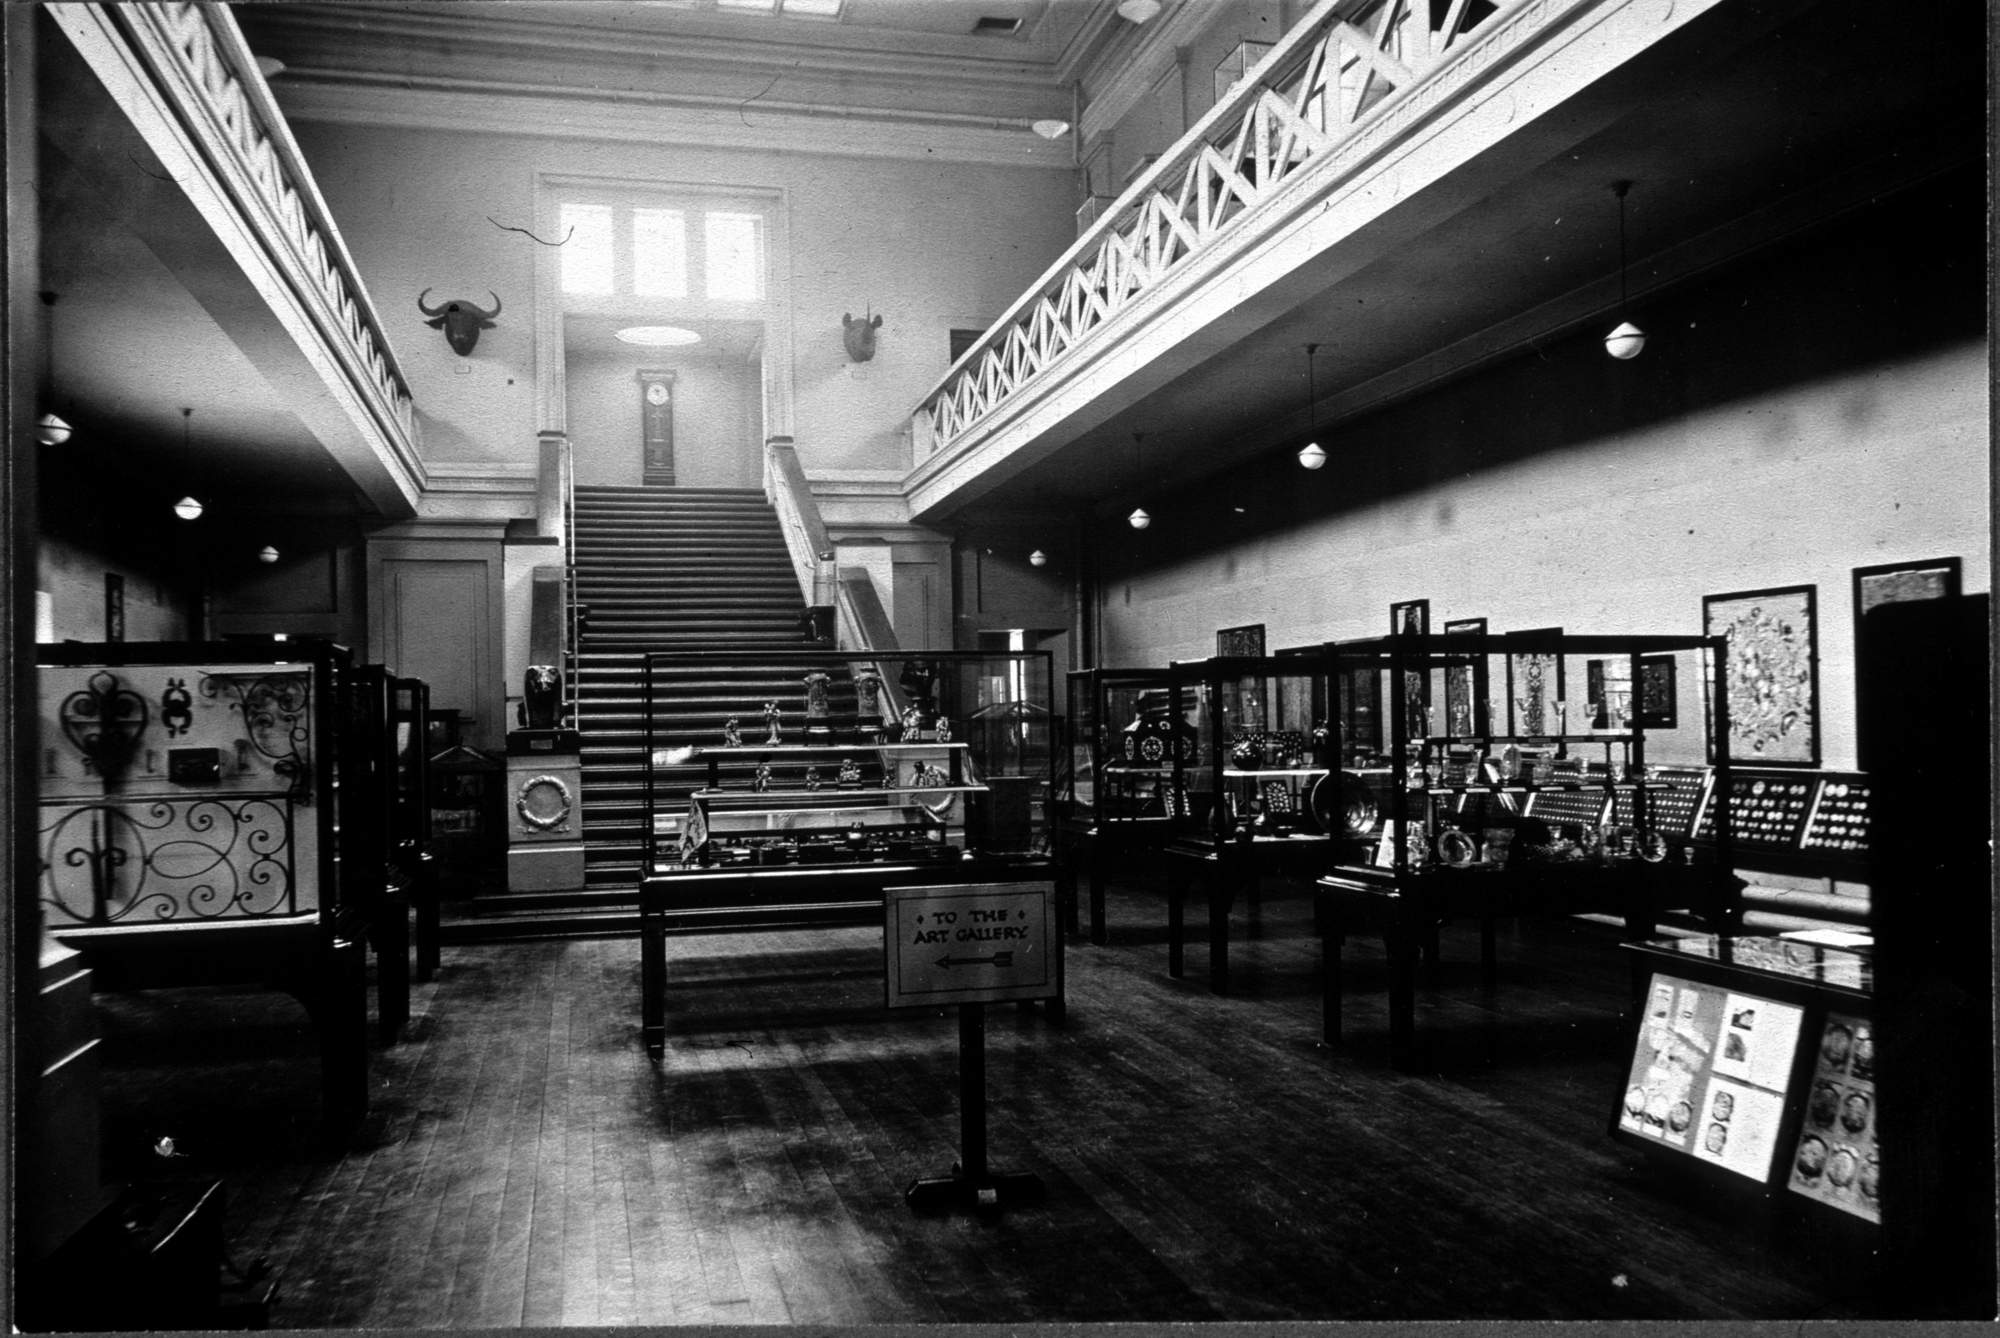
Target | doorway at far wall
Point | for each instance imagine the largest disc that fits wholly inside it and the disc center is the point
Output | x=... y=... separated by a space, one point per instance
x=691 y=419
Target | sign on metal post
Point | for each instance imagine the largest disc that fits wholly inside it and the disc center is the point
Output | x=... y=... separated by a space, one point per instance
x=971 y=943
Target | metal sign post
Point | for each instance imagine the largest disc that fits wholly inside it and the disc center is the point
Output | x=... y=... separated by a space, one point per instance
x=970 y=945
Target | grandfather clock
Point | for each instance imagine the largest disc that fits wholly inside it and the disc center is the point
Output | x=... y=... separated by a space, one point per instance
x=656 y=427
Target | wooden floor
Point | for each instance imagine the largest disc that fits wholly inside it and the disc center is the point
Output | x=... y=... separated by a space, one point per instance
x=525 y=1164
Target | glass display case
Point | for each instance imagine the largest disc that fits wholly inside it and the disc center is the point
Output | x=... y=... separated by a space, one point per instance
x=1123 y=739
x=790 y=789
x=1256 y=768
x=787 y=760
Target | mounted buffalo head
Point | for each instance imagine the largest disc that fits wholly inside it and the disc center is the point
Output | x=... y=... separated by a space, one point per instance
x=859 y=336
x=460 y=321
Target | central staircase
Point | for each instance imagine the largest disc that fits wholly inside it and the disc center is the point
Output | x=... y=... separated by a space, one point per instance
x=659 y=569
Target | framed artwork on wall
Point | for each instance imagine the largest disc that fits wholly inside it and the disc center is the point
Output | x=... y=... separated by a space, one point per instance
x=1240 y=640
x=1773 y=673
x=1891 y=583
x=114 y=606
x=1412 y=617
x=1659 y=702
x=1360 y=714
x=1535 y=692
x=1465 y=685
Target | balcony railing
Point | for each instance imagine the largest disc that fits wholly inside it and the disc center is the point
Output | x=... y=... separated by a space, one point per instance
x=1333 y=84
x=195 y=61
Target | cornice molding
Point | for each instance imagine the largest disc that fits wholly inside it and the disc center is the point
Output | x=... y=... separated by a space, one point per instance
x=563 y=113
x=1157 y=53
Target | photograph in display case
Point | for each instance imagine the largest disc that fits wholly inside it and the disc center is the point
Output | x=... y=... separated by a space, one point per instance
x=1836 y=1161
x=1465 y=684
x=1772 y=673
x=1710 y=1074
x=1535 y=691
x=1412 y=617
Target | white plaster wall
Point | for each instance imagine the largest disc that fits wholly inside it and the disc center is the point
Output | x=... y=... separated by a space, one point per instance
x=717 y=443
x=921 y=243
x=1622 y=533
x=74 y=581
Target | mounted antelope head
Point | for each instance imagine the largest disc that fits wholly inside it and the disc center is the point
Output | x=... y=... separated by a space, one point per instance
x=460 y=321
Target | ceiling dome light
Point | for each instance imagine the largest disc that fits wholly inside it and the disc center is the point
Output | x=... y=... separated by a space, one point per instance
x=1311 y=456
x=1050 y=128
x=1625 y=342
x=1138 y=11
x=658 y=336
x=51 y=430
x=1139 y=520
x=267 y=554
x=1038 y=558
x=188 y=509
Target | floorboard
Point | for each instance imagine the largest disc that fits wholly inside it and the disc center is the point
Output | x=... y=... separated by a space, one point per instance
x=525 y=1165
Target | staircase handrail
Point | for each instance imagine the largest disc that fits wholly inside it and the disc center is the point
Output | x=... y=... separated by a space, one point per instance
x=806 y=538
x=572 y=610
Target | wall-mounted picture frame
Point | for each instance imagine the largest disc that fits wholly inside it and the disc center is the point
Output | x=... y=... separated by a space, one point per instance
x=1412 y=617
x=1240 y=640
x=1535 y=692
x=1892 y=583
x=1772 y=675
x=114 y=606
x=1658 y=699
x=1465 y=685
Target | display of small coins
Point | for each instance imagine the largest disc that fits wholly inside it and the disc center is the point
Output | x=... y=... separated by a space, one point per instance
x=1763 y=810
x=1839 y=820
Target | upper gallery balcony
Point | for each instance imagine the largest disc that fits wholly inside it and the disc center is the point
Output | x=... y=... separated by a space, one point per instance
x=204 y=301
x=1415 y=189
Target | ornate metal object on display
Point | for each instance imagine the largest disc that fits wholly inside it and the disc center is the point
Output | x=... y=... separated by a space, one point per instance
x=868 y=704
x=277 y=718
x=812 y=778
x=817 y=729
x=104 y=720
x=732 y=733
x=761 y=782
x=543 y=804
x=169 y=859
x=850 y=774
x=541 y=698
x=944 y=729
x=771 y=718
x=176 y=707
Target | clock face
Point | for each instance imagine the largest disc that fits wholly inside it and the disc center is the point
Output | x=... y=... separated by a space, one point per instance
x=656 y=393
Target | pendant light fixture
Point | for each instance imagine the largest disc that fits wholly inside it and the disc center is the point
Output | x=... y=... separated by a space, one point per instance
x=189 y=507
x=1627 y=340
x=267 y=554
x=1138 y=520
x=1310 y=455
x=51 y=430
x=1038 y=558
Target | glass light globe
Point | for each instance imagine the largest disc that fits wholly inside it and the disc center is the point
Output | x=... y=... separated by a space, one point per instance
x=1311 y=456
x=1139 y=519
x=1625 y=342
x=51 y=430
x=1038 y=558
x=188 y=509
x=267 y=554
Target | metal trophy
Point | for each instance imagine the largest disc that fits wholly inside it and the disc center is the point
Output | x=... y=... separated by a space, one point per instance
x=818 y=729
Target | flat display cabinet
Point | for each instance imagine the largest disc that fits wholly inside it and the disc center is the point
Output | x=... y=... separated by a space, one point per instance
x=1754 y=1071
x=1516 y=775
x=791 y=788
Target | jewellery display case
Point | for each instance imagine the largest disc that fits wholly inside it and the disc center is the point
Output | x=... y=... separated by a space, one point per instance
x=789 y=788
x=1543 y=803
x=1123 y=739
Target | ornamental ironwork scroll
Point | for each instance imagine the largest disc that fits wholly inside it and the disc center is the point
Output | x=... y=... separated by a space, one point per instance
x=168 y=860
x=105 y=720
x=277 y=721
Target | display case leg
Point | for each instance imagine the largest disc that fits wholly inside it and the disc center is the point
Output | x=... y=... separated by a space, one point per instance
x=1332 y=943
x=1402 y=1001
x=652 y=982
x=1096 y=903
x=1176 y=925
x=971 y=1187
x=1218 y=933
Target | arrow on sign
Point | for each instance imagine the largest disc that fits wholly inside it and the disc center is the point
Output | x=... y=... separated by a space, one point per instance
x=997 y=959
